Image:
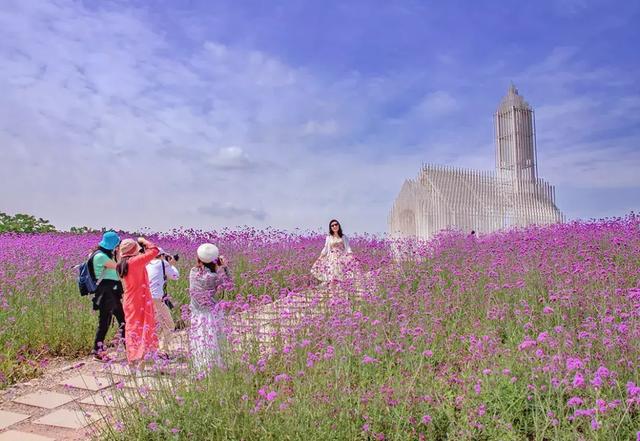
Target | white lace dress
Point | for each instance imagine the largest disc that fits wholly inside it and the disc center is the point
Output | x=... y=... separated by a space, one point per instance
x=336 y=261
x=205 y=333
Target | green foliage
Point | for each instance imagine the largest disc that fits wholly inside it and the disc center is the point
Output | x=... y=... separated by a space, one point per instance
x=83 y=230
x=45 y=317
x=37 y=327
x=24 y=223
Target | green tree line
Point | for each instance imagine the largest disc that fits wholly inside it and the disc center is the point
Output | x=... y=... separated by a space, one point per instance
x=24 y=223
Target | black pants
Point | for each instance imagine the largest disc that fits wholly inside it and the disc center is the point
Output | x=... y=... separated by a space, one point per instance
x=108 y=301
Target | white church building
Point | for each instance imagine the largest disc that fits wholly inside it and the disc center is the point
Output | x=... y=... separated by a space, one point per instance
x=443 y=197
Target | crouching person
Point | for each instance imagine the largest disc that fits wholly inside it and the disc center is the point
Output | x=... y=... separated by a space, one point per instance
x=161 y=269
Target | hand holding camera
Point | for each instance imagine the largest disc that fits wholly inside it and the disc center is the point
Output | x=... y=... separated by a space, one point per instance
x=171 y=259
x=143 y=242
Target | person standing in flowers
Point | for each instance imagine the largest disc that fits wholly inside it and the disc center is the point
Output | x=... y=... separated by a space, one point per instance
x=159 y=270
x=336 y=261
x=141 y=338
x=205 y=280
x=108 y=297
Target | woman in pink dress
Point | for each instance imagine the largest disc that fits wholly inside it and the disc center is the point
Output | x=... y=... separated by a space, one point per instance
x=141 y=338
x=336 y=261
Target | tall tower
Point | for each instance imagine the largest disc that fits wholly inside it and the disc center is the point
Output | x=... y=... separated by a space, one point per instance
x=515 y=140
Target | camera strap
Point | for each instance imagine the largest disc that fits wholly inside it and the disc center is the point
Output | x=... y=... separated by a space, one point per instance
x=164 y=277
x=165 y=297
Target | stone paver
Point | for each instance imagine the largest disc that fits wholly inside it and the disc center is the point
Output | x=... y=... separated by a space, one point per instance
x=116 y=369
x=9 y=418
x=88 y=382
x=111 y=398
x=45 y=399
x=71 y=419
x=14 y=435
x=264 y=325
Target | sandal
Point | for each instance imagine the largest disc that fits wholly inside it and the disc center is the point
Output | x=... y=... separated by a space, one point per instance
x=102 y=357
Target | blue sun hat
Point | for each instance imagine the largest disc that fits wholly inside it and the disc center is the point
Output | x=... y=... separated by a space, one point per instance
x=110 y=240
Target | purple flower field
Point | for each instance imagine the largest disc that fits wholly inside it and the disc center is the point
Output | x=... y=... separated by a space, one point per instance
x=40 y=304
x=525 y=334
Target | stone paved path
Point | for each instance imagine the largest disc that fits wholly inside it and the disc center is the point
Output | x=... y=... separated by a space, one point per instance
x=68 y=402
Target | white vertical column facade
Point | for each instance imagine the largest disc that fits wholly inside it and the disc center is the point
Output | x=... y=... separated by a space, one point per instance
x=447 y=198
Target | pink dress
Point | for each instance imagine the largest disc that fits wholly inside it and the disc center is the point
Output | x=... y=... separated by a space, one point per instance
x=139 y=311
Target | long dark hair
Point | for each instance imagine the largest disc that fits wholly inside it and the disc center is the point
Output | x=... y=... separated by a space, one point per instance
x=211 y=266
x=123 y=266
x=104 y=250
x=339 y=228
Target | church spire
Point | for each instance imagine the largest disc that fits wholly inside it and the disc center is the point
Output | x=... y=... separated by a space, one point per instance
x=512 y=99
x=515 y=138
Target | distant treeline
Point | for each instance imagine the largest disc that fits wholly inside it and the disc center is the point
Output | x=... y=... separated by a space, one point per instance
x=26 y=223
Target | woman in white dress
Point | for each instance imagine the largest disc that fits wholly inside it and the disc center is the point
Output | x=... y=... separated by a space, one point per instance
x=206 y=317
x=336 y=261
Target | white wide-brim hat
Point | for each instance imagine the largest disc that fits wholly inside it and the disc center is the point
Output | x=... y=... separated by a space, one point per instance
x=208 y=252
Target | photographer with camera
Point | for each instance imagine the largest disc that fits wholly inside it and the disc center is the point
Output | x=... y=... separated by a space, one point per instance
x=159 y=270
x=206 y=280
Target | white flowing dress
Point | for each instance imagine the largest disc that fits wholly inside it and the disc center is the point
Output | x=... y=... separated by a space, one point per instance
x=336 y=261
x=205 y=333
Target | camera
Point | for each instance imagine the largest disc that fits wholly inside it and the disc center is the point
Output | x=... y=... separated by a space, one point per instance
x=166 y=256
x=163 y=255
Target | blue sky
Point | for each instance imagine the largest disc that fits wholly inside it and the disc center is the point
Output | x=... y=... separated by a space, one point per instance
x=286 y=114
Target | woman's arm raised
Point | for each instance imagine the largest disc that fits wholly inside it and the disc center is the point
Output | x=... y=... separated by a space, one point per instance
x=150 y=252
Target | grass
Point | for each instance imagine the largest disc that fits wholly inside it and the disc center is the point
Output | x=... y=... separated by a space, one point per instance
x=451 y=347
x=527 y=334
x=38 y=327
x=45 y=317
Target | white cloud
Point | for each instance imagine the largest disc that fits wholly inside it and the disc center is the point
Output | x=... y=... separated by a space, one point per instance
x=231 y=158
x=593 y=166
x=570 y=7
x=585 y=119
x=98 y=107
x=437 y=104
x=101 y=111
x=319 y=128
x=232 y=212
